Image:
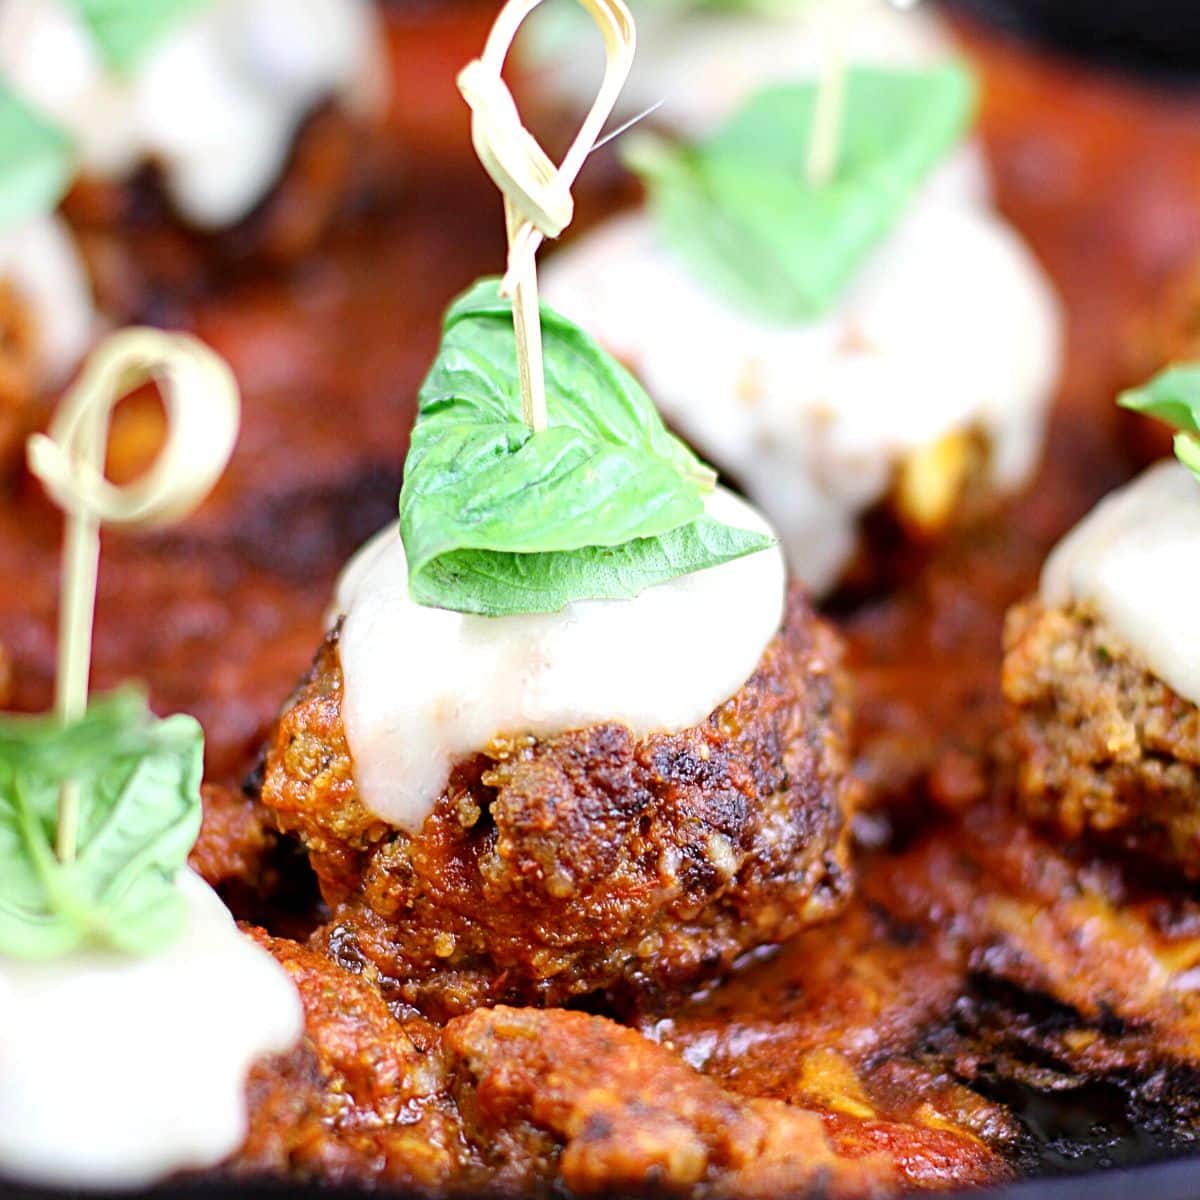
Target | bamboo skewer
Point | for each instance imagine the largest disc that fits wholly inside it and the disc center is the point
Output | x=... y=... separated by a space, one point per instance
x=824 y=146
x=201 y=400
x=537 y=194
x=825 y=143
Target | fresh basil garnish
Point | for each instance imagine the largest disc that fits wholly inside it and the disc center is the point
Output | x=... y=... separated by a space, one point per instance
x=504 y=585
x=126 y=30
x=1173 y=396
x=36 y=162
x=497 y=519
x=737 y=207
x=139 y=794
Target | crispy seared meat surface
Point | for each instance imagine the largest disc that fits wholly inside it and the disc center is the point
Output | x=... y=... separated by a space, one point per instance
x=590 y=861
x=1103 y=746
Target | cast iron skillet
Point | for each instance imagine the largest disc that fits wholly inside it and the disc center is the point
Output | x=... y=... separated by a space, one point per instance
x=1160 y=35
x=1166 y=1181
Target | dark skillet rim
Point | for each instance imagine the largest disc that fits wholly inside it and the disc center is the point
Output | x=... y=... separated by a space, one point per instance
x=1152 y=49
x=1178 y=1179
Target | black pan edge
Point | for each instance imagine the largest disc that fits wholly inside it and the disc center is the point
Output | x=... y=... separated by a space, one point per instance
x=1159 y=37
x=1177 y=1180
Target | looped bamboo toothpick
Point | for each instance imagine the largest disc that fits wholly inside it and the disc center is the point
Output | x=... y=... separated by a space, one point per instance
x=537 y=194
x=824 y=143
x=202 y=408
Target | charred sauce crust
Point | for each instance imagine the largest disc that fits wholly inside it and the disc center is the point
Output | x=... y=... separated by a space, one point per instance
x=532 y=1101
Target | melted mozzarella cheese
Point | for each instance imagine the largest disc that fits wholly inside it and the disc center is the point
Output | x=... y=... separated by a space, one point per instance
x=425 y=687
x=950 y=325
x=1135 y=561
x=701 y=63
x=217 y=103
x=40 y=262
x=116 y=1071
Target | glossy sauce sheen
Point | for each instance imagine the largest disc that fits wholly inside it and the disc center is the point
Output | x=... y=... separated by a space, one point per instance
x=949 y=326
x=468 y=679
x=116 y=1071
x=1135 y=561
x=216 y=103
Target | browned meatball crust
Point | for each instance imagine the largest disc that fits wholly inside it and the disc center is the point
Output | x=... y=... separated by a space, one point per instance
x=1103 y=746
x=593 y=860
x=141 y=255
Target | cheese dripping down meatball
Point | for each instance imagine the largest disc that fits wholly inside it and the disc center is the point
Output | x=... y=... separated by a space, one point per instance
x=622 y=796
x=923 y=391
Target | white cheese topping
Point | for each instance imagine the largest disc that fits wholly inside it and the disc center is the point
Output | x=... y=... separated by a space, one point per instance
x=1135 y=560
x=950 y=325
x=40 y=262
x=116 y=1071
x=217 y=103
x=702 y=63
x=424 y=687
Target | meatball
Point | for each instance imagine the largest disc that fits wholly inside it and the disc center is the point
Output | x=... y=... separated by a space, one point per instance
x=137 y=248
x=589 y=861
x=1103 y=746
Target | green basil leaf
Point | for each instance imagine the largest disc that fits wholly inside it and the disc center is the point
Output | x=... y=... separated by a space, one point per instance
x=737 y=207
x=1172 y=396
x=478 y=478
x=484 y=495
x=126 y=30
x=502 y=585
x=36 y=162
x=139 y=794
x=1187 y=450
